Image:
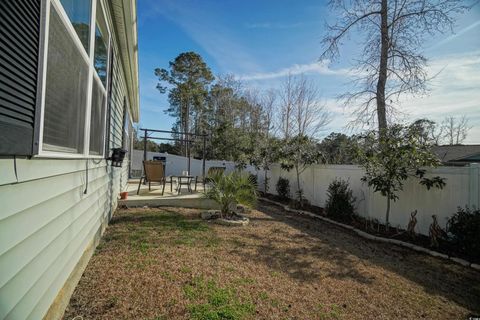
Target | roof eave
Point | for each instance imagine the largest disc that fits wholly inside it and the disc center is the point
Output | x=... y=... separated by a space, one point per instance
x=125 y=22
x=465 y=157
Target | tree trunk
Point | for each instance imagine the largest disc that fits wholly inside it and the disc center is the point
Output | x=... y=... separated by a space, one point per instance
x=265 y=181
x=298 y=183
x=387 y=215
x=182 y=125
x=382 y=72
x=186 y=128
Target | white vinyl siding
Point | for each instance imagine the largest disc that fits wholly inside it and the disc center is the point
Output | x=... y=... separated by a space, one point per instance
x=97 y=118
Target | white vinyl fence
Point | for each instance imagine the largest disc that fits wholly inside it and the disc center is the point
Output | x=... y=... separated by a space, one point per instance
x=176 y=164
x=462 y=189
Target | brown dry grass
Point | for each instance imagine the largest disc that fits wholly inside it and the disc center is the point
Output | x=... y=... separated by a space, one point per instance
x=286 y=267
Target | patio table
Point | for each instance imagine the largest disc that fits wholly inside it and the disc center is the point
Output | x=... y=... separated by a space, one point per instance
x=184 y=180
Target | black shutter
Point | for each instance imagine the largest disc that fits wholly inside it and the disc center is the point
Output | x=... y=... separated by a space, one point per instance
x=19 y=51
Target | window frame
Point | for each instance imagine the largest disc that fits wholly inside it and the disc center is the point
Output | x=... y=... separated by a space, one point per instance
x=89 y=57
x=96 y=77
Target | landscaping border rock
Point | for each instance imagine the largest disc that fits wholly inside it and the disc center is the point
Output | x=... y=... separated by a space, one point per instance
x=214 y=216
x=369 y=236
x=233 y=223
x=210 y=214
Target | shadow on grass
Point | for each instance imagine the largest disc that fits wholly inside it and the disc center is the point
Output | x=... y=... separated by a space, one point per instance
x=162 y=219
x=147 y=229
x=288 y=254
x=342 y=251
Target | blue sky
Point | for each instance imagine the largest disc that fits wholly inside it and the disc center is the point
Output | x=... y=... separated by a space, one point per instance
x=262 y=41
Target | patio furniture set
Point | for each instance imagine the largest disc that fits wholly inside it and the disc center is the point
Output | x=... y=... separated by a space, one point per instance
x=154 y=171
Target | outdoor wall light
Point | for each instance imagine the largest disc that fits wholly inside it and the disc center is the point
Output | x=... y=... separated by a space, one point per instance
x=118 y=154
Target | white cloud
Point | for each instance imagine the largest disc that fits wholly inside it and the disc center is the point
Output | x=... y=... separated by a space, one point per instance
x=276 y=25
x=455 y=91
x=454 y=36
x=455 y=88
x=321 y=68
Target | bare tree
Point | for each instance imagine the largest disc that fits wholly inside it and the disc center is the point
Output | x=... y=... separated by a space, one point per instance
x=223 y=99
x=268 y=101
x=455 y=130
x=310 y=114
x=436 y=135
x=391 y=63
x=253 y=112
x=301 y=110
x=265 y=151
x=287 y=99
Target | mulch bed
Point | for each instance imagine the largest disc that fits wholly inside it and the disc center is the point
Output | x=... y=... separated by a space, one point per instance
x=166 y=263
x=307 y=207
x=379 y=229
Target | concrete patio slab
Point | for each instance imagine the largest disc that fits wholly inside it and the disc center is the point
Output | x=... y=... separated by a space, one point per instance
x=170 y=197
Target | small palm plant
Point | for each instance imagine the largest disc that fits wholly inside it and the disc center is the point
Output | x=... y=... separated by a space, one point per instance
x=229 y=190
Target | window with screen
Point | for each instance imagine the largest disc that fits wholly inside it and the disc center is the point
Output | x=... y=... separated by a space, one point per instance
x=97 y=119
x=75 y=100
x=79 y=13
x=66 y=91
x=100 y=59
x=99 y=92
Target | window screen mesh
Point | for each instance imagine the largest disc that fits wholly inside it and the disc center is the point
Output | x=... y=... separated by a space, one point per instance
x=78 y=12
x=101 y=45
x=97 y=120
x=66 y=91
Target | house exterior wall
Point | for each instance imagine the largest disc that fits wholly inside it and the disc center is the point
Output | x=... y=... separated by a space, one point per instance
x=51 y=210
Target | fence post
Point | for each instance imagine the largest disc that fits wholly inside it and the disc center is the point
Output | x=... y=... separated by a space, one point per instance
x=312 y=167
x=474 y=186
x=145 y=133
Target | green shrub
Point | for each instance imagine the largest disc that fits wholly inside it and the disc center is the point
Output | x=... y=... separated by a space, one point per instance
x=229 y=190
x=464 y=231
x=283 y=188
x=340 y=202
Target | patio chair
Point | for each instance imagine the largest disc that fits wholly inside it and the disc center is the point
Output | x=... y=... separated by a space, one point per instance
x=211 y=171
x=154 y=172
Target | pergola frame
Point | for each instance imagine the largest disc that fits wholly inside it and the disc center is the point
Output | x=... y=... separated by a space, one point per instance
x=188 y=140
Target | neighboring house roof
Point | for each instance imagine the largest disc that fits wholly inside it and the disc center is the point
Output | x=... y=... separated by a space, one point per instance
x=125 y=20
x=458 y=153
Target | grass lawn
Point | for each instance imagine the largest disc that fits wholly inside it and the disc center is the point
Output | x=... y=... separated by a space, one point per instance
x=167 y=264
